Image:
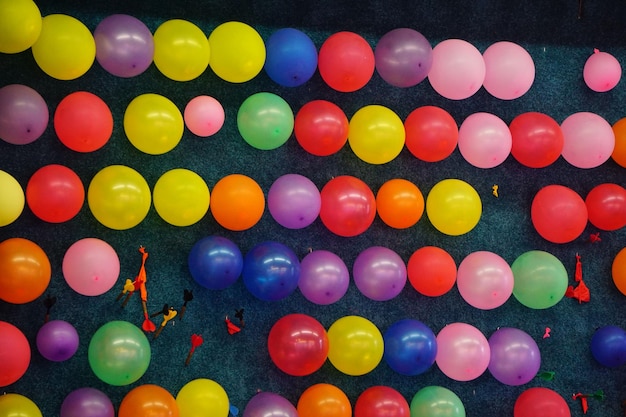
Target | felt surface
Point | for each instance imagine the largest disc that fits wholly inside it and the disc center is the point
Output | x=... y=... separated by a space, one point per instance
x=559 y=43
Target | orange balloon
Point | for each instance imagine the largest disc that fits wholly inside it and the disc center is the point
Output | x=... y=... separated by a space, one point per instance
x=148 y=401
x=619 y=151
x=324 y=400
x=431 y=271
x=618 y=271
x=237 y=202
x=400 y=204
x=24 y=271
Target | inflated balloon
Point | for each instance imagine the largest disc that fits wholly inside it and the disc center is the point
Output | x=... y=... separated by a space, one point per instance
x=294 y=201
x=558 y=213
x=399 y=203
x=181 y=50
x=618 y=271
x=204 y=116
x=484 y=280
x=87 y=402
x=403 y=57
x=65 y=49
x=509 y=70
x=515 y=358
x=410 y=347
x=269 y=404
x=540 y=279
x=431 y=133
x=619 y=152
x=346 y=61
x=237 y=202
x=265 y=121
x=23 y=114
x=237 y=52
x=540 y=402
x=83 y=122
x=271 y=271
x=291 y=57
x=588 y=140
x=381 y=401
x=119 y=197
x=321 y=127
x=324 y=400
x=324 y=277
x=462 y=352
x=537 y=139
x=18 y=405
x=91 y=266
x=431 y=271
x=119 y=353
x=606 y=206
x=348 y=206
x=14 y=354
x=376 y=134
x=148 y=400
x=25 y=270
x=355 y=345
x=608 y=346
x=379 y=273
x=202 y=397
x=57 y=340
x=436 y=401
x=602 y=71
x=484 y=140
x=20 y=25
x=453 y=207
x=181 y=197
x=298 y=344
x=458 y=69
x=12 y=204
x=215 y=262
x=55 y=193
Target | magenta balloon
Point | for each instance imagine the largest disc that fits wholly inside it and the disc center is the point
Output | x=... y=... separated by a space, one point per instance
x=379 y=273
x=265 y=404
x=458 y=69
x=485 y=280
x=294 y=201
x=515 y=357
x=87 y=402
x=124 y=45
x=509 y=70
x=485 y=140
x=91 y=266
x=602 y=71
x=57 y=340
x=23 y=114
x=462 y=352
x=403 y=57
x=589 y=140
x=324 y=277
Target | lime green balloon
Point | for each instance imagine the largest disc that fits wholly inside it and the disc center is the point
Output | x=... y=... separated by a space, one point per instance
x=181 y=50
x=12 y=202
x=453 y=207
x=540 y=279
x=119 y=353
x=18 y=405
x=181 y=197
x=237 y=52
x=20 y=25
x=376 y=134
x=435 y=401
x=265 y=121
x=202 y=397
x=355 y=345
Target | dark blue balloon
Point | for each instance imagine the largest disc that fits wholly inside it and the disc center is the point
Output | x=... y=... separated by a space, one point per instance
x=291 y=57
x=410 y=347
x=215 y=262
x=608 y=346
x=271 y=271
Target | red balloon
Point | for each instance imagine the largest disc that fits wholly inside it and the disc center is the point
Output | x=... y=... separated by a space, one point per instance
x=431 y=133
x=83 y=122
x=558 y=214
x=431 y=271
x=14 y=354
x=537 y=139
x=540 y=402
x=55 y=193
x=346 y=61
x=606 y=206
x=381 y=401
x=321 y=127
x=348 y=206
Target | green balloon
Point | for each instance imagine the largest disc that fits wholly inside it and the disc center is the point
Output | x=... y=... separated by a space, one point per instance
x=540 y=279
x=265 y=121
x=435 y=401
x=119 y=353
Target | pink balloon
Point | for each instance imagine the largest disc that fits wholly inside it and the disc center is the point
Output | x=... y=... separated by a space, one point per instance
x=91 y=266
x=509 y=70
x=589 y=140
x=458 y=69
x=485 y=280
x=485 y=140
x=204 y=116
x=602 y=71
x=463 y=352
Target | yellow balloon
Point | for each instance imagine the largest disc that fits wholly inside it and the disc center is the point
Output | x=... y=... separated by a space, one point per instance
x=181 y=50
x=237 y=52
x=18 y=405
x=181 y=197
x=12 y=201
x=153 y=124
x=202 y=397
x=65 y=49
x=119 y=197
x=376 y=134
x=355 y=345
x=20 y=25
x=453 y=207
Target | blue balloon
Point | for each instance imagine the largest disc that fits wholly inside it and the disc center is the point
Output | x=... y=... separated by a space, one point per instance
x=291 y=57
x=608 y=346
x=215 y=262
x=271 y=271
x=410 y=347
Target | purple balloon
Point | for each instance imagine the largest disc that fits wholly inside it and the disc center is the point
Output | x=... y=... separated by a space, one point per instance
x=294 y=201
x=324 y=277
x=379 y=273
x=269 y=404
x=403 y=57
x=57 y=340
x=515 y=357
x=87 y=402
x=23 y=114
x=124 y=45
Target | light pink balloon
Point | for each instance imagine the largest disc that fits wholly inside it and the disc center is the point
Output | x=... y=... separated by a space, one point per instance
x=91 y=266
x=509 y=70
x=204 y=116
x=458 y=69
x=485 y=140
x=485 y=280
x=589 y=140
x=602 y=71
x=463 y=352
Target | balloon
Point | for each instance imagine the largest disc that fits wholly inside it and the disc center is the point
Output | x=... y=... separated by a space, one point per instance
x=298 y=344
x=14 y=354
x=379 y=273
x=619 y=152
x=537 y=139
x=540 y=402
x=458 y=69
x=618 y=271
x=271 y=271
x=237 y=202
x=25 y=270
x=608 y=346
x=204 y=116
x=509 y=70
x=12 y=203
x=381 y=401
x=18 y=405
x=435 y=401
x=83 y=122
x=431 y=271
x=606 y=206
x=20 y=25
x=431 y=133
x=355 y=345
x=215 y=262
x=346 y=61
x=324 y=277
x=484 y=280
x=484 y=140
x=558 y=214
x=321 y=128
x=87 y=402
x=119 y=353
x=57 y=340
x=324 y=400
x=291 y=57
x=148 y=401
x=403 y=57
x=181 y=197
x=269 y=404
x=119 y=197
x=602 y=71
x=153 y=124
x=410 y=347
x=23 y=114
x=515 y=358
x=348 y=206
x=55 y=193
x=399 y=203
x=463 y=352
x=588 y=140
x=540 y=279
x=181 y=50
x=65 y=49
x=453 y=207
x=376 y=134
x=202 y=397
x=294 y=201
x=265 y=121
x=91 y=266
x=237 y=52
x=124 y=45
